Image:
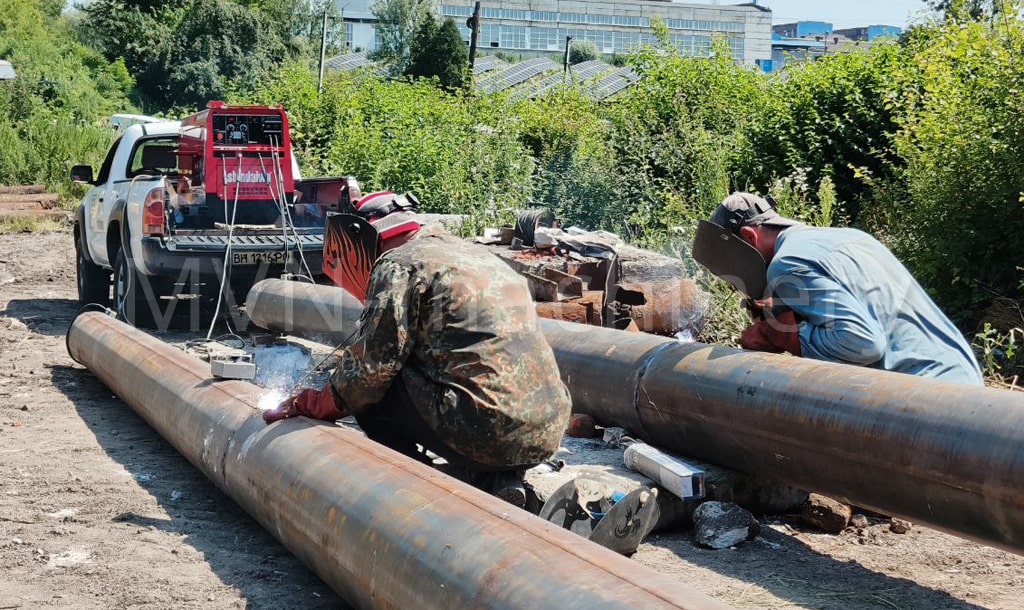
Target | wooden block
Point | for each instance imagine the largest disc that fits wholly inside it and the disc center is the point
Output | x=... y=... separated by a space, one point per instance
x=25 y=189
x=10 y=206
x=43 y=199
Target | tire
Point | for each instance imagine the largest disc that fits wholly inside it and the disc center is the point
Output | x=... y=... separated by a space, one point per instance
x=93 y=281
x=129 y=296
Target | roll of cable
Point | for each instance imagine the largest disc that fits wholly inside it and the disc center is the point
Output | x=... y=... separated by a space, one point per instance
x=527 y=222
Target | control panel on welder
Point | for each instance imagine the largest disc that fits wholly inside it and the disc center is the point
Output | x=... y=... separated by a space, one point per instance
x=247 y=129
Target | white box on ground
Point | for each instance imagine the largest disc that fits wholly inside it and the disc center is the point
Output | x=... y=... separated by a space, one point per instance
x=233 y=367
x=674 y=475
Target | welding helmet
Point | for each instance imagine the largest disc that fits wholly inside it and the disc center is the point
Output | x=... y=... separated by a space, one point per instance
x=719 y=247
x=354 y=240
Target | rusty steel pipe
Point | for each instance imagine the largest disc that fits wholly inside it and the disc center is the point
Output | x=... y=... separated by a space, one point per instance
x=381 y=529
x=945 y=454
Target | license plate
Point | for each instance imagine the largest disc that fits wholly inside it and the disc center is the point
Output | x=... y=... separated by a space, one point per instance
x=279 y=257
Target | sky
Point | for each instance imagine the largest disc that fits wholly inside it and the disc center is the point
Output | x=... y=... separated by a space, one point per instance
x=843 y=13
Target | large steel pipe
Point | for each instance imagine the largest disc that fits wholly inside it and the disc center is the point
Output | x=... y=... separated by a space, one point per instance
x=382 y=530
x=946 y=454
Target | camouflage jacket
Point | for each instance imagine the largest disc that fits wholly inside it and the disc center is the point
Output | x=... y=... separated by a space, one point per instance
x=459 y=327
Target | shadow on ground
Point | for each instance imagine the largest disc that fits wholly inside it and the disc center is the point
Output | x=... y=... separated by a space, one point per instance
x=787 y=568
x=238 y=550
x=50 y=316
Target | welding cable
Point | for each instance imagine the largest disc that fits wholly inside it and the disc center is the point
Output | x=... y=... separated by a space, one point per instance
x=316 y=368
x=279 y=175
x=527 y=222
x=278 y=204
x=231 y=231
x=286 y=218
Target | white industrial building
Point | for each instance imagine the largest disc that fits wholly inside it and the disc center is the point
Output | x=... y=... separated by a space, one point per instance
x=532 y=27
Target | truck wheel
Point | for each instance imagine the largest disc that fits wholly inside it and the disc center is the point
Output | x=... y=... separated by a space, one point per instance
x=129 y=296
x=93 y=280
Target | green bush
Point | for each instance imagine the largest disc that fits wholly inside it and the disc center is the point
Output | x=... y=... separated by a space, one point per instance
x=676 y=133
x=835 y=117
x=53 y=114
x=458 y=154
x=961 y=228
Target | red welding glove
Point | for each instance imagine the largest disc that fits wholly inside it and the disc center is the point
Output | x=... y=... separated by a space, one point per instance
x=775 y=335
x=318 y=404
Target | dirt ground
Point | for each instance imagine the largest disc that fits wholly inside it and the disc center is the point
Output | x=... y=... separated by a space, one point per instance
x=97 y=511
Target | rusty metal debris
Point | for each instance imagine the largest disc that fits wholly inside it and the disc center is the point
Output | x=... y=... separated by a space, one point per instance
x=382 y=530
x=945 y=454
x=634 y=289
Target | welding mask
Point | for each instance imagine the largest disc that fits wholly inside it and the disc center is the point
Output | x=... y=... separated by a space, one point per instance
x=352 y=242
x=726 y=255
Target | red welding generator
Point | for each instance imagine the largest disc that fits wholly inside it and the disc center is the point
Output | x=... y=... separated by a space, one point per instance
x=238 y=156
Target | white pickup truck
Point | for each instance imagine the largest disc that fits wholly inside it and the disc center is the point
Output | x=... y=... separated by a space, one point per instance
x=140 y=224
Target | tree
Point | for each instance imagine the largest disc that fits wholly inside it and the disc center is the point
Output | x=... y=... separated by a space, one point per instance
x=438 y=52
x=397 y=21
x=202 y=57
x=299 y=25
x=964 y=10
x=181 y=52
x=582 y=51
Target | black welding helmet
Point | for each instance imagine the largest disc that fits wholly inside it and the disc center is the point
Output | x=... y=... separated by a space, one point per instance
x=719 y=247
x=353 y=241
x=726 y=255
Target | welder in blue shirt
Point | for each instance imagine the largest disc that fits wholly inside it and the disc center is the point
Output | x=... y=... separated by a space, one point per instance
x=833 y=294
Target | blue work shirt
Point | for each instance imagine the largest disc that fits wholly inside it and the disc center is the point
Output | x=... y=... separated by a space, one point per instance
x=858 y=304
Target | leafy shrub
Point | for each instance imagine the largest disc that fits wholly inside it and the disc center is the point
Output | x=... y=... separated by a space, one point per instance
x=834 y=118
x=675 y=134
x=961 y=228
x=51 y=115
x=458 y=155
x=581 y=51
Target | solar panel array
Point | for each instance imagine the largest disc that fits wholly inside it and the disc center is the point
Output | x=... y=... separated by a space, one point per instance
x=516 y=74
x=613 y=83
x=499 y=75
x=580 y=73
x=487 y=63
x=350 y=61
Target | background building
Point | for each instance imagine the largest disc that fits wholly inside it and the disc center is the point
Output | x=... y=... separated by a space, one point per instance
x=809 y=40
x=540 y=26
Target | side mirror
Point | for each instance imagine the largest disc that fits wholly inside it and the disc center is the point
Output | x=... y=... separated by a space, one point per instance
x=82 y=174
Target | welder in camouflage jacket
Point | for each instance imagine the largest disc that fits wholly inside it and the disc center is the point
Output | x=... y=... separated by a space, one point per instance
x=448 y=353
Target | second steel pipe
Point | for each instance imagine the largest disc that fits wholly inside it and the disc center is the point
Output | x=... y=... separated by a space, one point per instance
x=946 y=454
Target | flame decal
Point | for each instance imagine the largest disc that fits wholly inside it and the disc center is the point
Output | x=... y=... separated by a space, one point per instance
x=350 y=248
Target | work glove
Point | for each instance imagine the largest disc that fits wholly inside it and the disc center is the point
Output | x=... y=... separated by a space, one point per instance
x=775 y=335
x=318 y=404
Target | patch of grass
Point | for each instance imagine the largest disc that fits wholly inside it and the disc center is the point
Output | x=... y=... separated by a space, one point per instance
x=31 y=224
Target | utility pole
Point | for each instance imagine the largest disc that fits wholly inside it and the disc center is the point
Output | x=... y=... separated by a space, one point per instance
x=474 y=28
x=565 y=62
x=323 y=53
